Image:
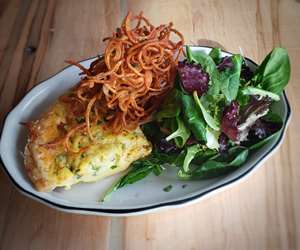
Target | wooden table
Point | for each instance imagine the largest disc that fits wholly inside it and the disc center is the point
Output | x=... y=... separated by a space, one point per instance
x=262 y=212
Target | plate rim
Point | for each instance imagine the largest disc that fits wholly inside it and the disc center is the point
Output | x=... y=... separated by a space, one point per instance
x=158 y=206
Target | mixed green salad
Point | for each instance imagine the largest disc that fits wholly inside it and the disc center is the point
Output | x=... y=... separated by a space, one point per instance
x=217 y=114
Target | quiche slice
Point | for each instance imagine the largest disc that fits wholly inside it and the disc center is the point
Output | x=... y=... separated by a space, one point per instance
x=53 y=166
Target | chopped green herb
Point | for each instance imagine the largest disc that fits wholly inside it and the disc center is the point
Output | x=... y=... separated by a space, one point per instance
x=78 y=176
x=61 y=160
x=79 y=119
x=95 y=168
x=113 y=166
x=168 y=188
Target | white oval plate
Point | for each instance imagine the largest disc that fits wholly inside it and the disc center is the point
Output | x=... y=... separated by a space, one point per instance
x=143 y=197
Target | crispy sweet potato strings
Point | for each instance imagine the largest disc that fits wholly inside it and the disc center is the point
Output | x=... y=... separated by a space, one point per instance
x=128 y=84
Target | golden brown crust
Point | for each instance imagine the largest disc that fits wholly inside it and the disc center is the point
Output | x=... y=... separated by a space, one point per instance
x=41 y=131
x=33 y=172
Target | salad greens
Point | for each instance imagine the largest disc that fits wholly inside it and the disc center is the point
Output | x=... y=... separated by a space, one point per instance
x=215 y=54
x=260 y=92
x=211 y=122
x=220 y=164
x=193 y=120
x=230 y=78
x=217 y=114
x=200 y=57
x=181 y=134
x=274 y=72
x=191 y=152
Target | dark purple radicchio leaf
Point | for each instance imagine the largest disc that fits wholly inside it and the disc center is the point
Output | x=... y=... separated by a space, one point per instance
x=229 y=121
x=246 y=72
x=224 y=143
x=191 y=141
x=165 y=146
x=236 y=125
x=226 y=63
x=256 y=108
x=262 y=129
x=193 y=77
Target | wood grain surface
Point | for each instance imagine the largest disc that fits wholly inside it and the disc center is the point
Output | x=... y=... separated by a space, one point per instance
x=262 y=212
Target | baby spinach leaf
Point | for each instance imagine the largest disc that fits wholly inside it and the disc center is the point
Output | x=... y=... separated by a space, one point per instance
x=230 y=78
x=274 y=72
x=264 y=141
x=215 y=54
x=219 y=165
x=242 y=99
x=153 y=132
x=192 y=155
x=201 y=58
x=211 y=122
x=204 y=155
x=181 y=134
x=257 y=91
x=272 y=117
x=192 y=118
